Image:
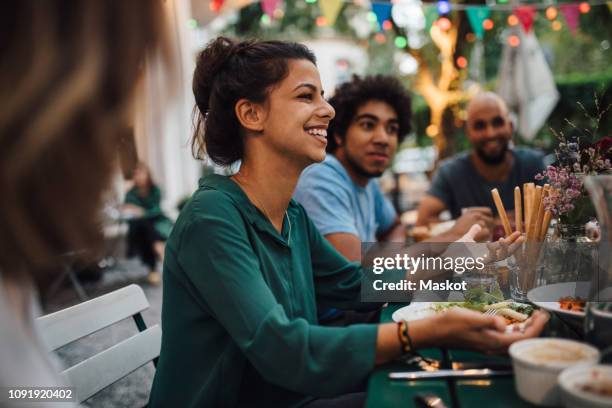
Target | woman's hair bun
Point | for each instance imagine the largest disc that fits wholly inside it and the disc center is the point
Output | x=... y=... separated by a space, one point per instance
x=209 y=63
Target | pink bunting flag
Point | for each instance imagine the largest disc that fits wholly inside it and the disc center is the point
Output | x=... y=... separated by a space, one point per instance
x=268 y=6
x=526 y=15
x=571 y=13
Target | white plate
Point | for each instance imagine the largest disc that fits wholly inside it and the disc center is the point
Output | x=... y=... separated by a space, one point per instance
x=414 y=311
x=556 y=291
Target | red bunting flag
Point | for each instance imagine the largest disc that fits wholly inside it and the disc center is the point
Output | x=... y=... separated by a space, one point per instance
x=526 y=15
x=571 y=13
x=215 y=5
x=268 y=6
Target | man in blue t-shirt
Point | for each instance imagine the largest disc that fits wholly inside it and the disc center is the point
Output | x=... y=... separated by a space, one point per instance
x=466 y=180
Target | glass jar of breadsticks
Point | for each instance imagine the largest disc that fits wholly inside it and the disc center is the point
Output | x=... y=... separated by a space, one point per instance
x=532 y=221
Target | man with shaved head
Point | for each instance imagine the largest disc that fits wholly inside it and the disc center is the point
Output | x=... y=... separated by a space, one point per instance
x=466 y=180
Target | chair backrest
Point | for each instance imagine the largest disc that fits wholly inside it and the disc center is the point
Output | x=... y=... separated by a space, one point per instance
x=105 y=368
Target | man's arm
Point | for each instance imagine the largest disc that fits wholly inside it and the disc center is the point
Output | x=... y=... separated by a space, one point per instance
x=429 y=210
x=347 y=244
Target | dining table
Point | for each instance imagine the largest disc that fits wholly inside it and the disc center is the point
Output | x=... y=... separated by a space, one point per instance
x=492 y=392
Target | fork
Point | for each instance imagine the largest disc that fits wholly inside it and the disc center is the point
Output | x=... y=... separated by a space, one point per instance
x=491 y=312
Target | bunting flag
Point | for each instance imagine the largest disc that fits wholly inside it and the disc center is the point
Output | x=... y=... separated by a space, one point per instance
x=215 y=5
x=609 y=5
x=526 y=15
x=268 y=6
x=330 y=10
x=431 y=15
x=571 y=13
x=383 y=12
x=476 y=15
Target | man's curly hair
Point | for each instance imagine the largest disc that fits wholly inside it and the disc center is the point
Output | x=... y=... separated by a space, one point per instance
x=350 y=96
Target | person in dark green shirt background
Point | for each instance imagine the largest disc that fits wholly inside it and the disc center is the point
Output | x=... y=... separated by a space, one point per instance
x=245 y=267
x=149 y=227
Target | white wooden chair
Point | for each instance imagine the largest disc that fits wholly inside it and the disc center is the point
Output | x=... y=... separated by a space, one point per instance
x=105 y=368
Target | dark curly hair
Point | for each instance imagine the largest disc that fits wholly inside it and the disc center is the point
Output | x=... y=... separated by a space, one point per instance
x=227 y=71
x=349 y=96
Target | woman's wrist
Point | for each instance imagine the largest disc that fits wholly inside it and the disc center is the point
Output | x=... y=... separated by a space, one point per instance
x=427 y=332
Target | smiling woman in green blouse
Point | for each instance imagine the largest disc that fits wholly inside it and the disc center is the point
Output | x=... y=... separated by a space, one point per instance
x=245 y=267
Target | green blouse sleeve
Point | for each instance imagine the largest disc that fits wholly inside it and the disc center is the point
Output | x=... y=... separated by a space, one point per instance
x=219 y=261
x=337 y=280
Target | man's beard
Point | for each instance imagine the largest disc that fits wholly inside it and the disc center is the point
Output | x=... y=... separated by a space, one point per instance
x=492 y=159
x=360 y=170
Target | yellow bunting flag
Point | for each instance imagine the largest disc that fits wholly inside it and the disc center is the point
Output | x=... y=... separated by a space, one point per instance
x=609 y=5
x=330 y=10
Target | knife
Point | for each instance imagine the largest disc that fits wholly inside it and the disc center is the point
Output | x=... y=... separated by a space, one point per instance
x=493 y=365
x=424 y=375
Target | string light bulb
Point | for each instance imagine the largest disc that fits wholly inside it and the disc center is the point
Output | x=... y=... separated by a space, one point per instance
x=514 y=40
x=462 y=62
x=431 y=130
x=584 y=7
x=512 y=20
x=487 y=24
x=443 y=7
x=443 y=24
x=321 y=21
x=556 y=25
x=401 y=42
x=387 y=25
x=551 y=13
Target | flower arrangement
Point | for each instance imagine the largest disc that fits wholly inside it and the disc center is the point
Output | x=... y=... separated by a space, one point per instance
x=582 y=154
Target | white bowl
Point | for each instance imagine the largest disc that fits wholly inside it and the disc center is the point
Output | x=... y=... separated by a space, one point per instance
x=573 y=378
x=536 y=375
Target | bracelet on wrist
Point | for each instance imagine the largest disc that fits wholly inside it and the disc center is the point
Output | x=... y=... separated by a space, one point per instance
x=404 y=337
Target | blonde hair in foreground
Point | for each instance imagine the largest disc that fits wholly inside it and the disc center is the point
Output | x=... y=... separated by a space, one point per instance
x=68 y=70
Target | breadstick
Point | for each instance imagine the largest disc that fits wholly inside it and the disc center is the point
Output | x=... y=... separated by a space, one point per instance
x=540 y=217
x=527 y=192
x=502 y=211
x=535 y=205
x=518 y=210
x=545 y=224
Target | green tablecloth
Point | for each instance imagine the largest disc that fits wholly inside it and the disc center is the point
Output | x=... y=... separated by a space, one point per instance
x=493 y=393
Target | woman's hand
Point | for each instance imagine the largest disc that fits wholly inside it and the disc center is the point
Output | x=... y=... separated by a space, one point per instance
x=462 y=328
x=132 y=210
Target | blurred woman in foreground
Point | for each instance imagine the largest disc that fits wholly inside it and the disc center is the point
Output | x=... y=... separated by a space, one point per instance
x=67 y=75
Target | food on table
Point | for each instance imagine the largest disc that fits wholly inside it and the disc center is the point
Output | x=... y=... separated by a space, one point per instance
x=575 y=304
x=511 y=311
x=603 y=389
